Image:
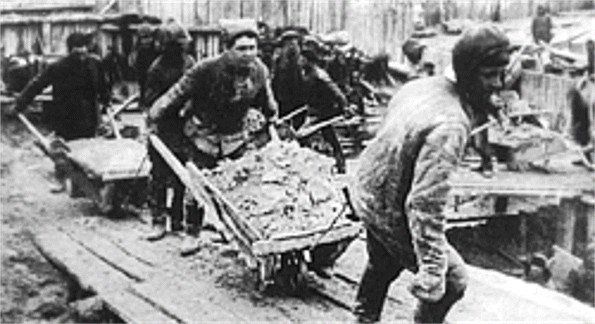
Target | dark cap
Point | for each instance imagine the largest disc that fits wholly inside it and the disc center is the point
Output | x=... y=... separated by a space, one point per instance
x=77 y=39
x=289 y=34
x=234 y=28
x=480 y=46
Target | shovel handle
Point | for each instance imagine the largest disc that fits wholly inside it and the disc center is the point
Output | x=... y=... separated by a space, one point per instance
x=274 y=134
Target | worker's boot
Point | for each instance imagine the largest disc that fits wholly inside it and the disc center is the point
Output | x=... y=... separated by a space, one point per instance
x=435 y=312
x=158 y=230
x=58 y=188
x=190 y=245
x=157 y=233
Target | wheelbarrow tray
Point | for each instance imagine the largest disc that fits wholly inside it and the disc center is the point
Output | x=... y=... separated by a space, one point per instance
x=269 y=255
x=255 y=241
x=109 y=159
x=103 y=169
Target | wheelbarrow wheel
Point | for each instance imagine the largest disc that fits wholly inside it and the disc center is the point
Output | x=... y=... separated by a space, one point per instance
x=106 y=198
x=291 y=275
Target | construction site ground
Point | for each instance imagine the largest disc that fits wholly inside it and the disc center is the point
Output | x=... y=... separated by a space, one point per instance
x=139 y=281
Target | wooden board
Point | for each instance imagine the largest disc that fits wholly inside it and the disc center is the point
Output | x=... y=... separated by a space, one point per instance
x=305 y=240
x=187 y=299
x=111 y=254
x=571 y=184
x=93 y=274
x=491 y=296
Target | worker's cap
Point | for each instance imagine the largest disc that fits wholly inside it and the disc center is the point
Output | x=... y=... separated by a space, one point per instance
x=145 y=30
x=412 y=45
x=413 y=49
x=236 y=28
x=77 y=39
x=312 y=41
x=289 y=35
x=174 y=33
x=480 y=46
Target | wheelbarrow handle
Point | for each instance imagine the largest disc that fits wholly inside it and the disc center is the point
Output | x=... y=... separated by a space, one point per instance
x=45 y=143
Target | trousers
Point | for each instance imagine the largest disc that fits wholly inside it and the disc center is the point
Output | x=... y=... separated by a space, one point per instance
x=383 y=268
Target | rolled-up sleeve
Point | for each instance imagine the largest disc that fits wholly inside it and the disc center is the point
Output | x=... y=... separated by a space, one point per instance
x=437 y=160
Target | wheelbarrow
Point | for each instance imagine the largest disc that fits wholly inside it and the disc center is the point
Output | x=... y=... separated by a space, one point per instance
x=108 y=171
x=283 y=258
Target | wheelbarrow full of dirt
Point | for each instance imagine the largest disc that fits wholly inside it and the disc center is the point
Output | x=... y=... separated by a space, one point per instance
x=280 y=205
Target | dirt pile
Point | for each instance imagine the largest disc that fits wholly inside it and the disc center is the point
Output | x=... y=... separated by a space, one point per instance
x=281 y=188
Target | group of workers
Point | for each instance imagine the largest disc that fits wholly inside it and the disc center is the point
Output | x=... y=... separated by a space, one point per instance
x=212 y=109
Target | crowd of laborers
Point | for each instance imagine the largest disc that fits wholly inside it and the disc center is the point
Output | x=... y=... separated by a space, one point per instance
x=217 y=107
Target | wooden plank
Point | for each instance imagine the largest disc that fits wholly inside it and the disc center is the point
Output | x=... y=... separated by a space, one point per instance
x=136 y=310
x=92 y=274
x=111 y=254
x=280 y=245
x=490 y=296
x=177 y=167
x=89 y=271
x=192 y=301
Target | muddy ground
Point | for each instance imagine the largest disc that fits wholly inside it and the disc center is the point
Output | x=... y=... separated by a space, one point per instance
x=32 y=290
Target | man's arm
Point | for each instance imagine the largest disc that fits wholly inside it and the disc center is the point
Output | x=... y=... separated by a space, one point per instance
x=425 y=205
x=265 y=98
x=33 y=88
x=153 y=86
x=333 y=90
x=179 y=93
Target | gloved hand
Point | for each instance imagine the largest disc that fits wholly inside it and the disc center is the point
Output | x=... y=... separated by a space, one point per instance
x=427 y=286
x=151 y=127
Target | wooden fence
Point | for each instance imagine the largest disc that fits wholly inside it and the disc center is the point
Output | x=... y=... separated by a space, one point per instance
x=376 y=26
x=19 y=34
x=548 y=92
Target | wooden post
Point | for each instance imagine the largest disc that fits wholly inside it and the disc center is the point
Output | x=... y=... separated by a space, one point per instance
x=570 y=209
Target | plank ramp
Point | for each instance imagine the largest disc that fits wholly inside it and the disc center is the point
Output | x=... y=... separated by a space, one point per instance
x=491 y=296
x=139 y=291
x=93 y=274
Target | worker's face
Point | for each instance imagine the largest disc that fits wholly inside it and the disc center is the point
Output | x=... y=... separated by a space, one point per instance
x=245 y=48
x=489 y=81
x=291 y=47
x=80 y=51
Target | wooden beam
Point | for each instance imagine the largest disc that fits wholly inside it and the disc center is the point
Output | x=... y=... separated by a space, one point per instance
x=93 y=274
x=304 y=241
x=177 y=167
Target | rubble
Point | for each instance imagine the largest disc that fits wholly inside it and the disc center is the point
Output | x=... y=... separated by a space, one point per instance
x=281 y=188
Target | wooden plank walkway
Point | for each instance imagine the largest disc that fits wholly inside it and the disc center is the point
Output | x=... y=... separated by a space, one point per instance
x=146 y=282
